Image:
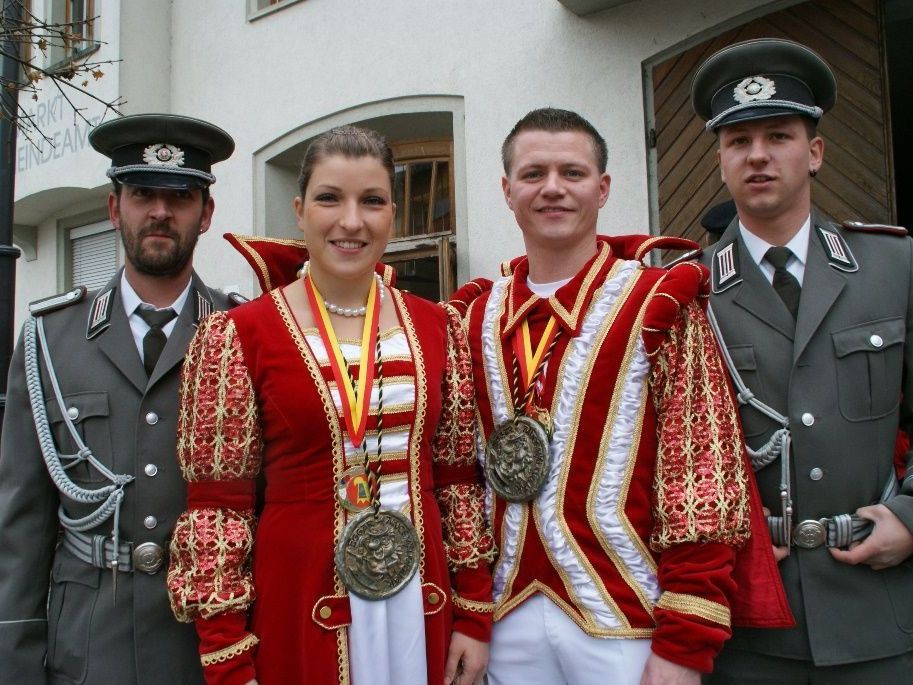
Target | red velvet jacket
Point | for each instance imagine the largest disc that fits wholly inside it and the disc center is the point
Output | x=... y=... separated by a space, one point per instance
x=634 y=533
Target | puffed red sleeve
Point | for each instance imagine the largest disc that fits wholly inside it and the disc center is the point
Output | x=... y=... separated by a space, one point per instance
x=219 y=449
x=701 y=504
x=468 y=541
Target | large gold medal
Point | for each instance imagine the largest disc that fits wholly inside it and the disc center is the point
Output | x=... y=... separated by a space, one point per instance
x=377 y=554
x=516 y=459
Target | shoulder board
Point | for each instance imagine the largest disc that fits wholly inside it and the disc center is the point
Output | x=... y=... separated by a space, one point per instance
x=235 y=299
x=55 y=302
x=687 y=257
x=860 y=227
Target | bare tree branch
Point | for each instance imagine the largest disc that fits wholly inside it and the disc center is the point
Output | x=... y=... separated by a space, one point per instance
x=28 y=41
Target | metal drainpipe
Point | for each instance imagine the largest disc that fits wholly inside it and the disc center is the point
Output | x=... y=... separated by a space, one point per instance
x=8 y=252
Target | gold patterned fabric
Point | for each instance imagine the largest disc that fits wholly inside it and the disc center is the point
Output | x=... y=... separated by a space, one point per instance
x=701 y=486
x=468 y=541
x=467 y=538
x=218 y=426
x=218 y=440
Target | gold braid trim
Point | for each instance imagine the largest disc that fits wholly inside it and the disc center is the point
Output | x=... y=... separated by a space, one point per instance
x=700 y=484
x=696 y=606
x=472 y=605
x=231 y=652
x=468 y=541
x=219 y=434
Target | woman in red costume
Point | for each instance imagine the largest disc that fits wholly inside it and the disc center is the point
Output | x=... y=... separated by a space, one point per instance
x=352 y=404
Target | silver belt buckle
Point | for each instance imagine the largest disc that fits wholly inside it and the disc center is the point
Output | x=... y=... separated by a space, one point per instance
x=810 y=534
x=148 y=557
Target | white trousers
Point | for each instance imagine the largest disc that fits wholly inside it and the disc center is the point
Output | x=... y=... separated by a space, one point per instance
x=538 y=644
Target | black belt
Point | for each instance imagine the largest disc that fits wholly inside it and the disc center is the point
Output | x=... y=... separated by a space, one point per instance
x=833 y=531
x=98 y=550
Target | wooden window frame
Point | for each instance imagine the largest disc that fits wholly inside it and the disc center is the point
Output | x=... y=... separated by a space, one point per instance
x=416 y=152
x=87 y=39
x=440 y=244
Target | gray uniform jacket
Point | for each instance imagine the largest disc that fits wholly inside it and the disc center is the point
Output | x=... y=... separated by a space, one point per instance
x=76 y=634
x=843 y=375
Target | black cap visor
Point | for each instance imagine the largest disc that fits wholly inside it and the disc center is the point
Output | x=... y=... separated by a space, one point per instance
x=753 y=113
x=159 y=179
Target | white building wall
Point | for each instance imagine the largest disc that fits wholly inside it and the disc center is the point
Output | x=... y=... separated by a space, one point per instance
x=266 y=76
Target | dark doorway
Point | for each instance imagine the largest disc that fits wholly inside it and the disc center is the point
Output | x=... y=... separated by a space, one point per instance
x=898 y=22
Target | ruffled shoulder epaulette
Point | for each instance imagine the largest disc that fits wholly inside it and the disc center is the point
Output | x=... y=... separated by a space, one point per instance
x=637 y=246
x=681 y=285
x=277 y=261
x=466 y=293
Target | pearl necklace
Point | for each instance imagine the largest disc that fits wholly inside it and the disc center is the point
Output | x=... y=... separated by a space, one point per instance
x=351 y=312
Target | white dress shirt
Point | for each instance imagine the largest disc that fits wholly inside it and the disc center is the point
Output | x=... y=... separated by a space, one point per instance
x=546 y=289
x=758 y=247
x=132 y=301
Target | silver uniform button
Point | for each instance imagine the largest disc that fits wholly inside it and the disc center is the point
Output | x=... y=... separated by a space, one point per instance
x=816 y=474
x=876 y=340
x=150 y=522
x=150 y=470
x=73 y=413
x=152 y=418
x=808 y=419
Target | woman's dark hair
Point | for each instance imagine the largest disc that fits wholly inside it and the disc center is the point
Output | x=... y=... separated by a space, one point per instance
x=348 y=141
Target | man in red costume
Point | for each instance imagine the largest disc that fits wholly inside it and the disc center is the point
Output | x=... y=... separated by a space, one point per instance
x=617 y=487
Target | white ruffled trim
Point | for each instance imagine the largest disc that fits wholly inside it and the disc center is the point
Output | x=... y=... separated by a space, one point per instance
x=501 y=411
x=616 y=459
x=564 y=550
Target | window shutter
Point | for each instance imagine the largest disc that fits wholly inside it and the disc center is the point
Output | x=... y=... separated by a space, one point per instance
x=94 y=257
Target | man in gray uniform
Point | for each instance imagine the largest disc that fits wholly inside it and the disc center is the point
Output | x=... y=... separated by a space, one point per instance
x=815 y=317
x=89 y=484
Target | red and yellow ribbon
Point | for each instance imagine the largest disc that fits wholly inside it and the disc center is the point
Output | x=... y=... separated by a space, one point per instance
x=523 y=349
x=356 y=401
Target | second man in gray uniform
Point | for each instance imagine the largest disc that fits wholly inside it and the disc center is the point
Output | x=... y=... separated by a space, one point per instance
x=89 y=484
x=816 y=318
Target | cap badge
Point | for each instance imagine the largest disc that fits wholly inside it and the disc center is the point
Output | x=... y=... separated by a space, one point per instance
x=163 y=154
x=754 y=88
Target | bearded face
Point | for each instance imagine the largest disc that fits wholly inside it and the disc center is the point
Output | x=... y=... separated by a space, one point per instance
x=157 y=249
x=159 y=227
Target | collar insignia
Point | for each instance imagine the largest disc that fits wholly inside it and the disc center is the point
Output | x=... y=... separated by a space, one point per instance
x=754 y=88
x=163 y=154
x=202 y=307
x=837 y=251
x=726 y=268
x=100 y=313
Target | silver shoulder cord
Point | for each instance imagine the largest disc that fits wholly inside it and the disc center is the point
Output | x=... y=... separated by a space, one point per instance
x=111 y=496
x=778 y=445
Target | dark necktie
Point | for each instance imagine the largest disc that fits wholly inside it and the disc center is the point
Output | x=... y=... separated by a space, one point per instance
x=155 y=339
x=784 y=283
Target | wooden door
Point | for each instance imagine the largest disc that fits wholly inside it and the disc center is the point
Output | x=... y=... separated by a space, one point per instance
x=856 y=180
